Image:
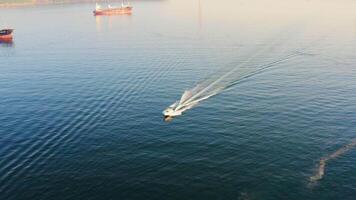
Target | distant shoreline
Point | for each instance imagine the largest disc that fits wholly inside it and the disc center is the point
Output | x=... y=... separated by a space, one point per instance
x=28 y=3
x=15 y=5
x=42 y=2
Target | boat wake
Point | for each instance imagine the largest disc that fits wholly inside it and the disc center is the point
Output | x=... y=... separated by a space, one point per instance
x=211 y=87
x=323 y=161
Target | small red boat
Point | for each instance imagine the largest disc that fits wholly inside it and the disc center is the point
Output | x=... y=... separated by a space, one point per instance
x=6 y=35
x=123 y=9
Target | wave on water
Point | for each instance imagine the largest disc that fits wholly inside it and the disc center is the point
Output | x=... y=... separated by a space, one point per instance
x=323 y=161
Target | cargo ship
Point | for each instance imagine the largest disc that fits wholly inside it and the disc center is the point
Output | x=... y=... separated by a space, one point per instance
x=113 y=10
x=6 y=35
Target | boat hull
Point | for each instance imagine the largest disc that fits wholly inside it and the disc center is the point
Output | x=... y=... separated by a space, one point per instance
x=113 y=11
x=6 y=35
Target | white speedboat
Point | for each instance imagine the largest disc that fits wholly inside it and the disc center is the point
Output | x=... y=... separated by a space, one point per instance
x=170 y=112
x=185 y=103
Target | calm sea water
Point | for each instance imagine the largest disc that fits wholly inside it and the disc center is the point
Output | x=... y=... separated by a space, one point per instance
x=82 y=96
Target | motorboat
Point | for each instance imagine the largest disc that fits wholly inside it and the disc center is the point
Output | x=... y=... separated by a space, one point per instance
x=170 y=112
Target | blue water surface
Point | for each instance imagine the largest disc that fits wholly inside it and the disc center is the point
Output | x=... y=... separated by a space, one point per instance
x=81 y=100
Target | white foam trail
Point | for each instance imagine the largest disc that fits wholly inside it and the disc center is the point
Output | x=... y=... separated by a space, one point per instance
x=207 y=89
x=323 y=161
x=192 y=96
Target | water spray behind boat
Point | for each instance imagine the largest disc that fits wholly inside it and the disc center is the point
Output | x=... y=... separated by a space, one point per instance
x=211 y=87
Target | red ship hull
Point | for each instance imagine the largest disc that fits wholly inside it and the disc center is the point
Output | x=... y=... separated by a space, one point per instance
x=6 y=35
x=113 y=11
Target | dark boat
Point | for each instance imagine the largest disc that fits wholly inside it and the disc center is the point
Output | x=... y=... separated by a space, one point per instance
x=6 y=34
